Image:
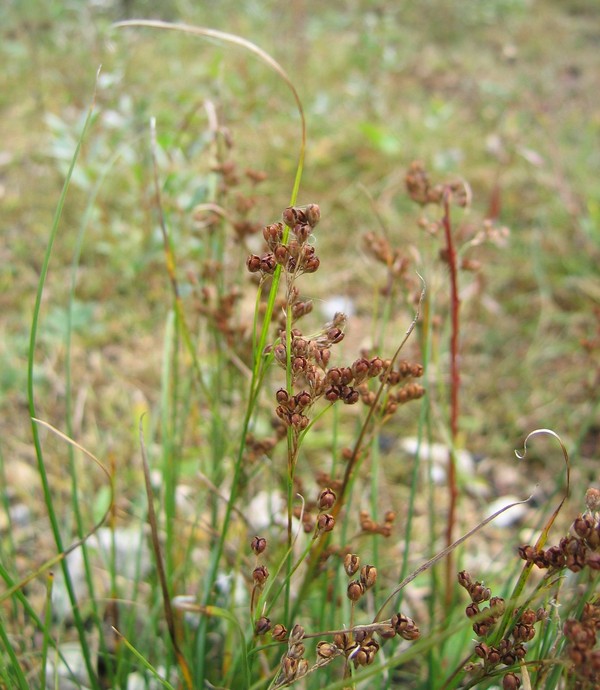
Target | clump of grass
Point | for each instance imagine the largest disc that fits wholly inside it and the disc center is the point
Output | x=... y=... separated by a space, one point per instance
x=274 y=550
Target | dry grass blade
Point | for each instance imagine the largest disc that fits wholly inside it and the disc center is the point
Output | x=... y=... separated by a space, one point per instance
x=521 y=455
x=247 y=45
x=443 y=554
x=75 y=545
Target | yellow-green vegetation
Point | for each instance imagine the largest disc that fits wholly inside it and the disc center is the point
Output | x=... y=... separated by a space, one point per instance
x=210 y=476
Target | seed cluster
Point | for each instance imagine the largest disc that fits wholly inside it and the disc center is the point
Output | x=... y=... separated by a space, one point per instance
x=579 y=549
x=510 y=649
x=323 y=521
x=293 y=665
x=581 y=636
x=296 y=255
x=309 y=359
x=422 y=192
x=369 y=526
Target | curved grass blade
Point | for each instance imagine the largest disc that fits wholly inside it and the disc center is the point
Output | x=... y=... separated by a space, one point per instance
x=250 y=47
x=60 y=557
x=79 y=624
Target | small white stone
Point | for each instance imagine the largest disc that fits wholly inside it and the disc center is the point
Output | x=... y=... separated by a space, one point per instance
x=335 y=304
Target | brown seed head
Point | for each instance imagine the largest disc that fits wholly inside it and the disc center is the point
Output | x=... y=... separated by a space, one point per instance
x=263 y=625
x=253 y=263
x=297 y=634
x=511 y=682
x=528 y=617
x=351 y=564
x=355 y=590
x=472 y=610
x=296 y=650
x=497 y=603
x=405 y=627
x=326 y=650
x=592 y=499
x=313 y=214
x=479 y=593
x=258 y=545
x=268 y=264
x=289 y=668
x=368 y=576
x=583 y=526
x=325 y=522
x=464 y=579
x=326 y=499
x=260 y=574
x=482 y=650
x=279 y=632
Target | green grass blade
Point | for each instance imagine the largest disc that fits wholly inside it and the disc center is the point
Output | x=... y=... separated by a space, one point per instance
x=48 y=499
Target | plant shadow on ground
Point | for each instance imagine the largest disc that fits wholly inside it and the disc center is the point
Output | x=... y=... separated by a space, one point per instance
x=484 y=98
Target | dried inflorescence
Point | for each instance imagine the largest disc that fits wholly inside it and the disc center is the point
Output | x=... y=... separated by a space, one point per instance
x=293 y=664
x=422 y=192
x=581 y=649
x=309 y=359
x=370 y=526
x=290 y=250
x=577 y=550
x=511 y=648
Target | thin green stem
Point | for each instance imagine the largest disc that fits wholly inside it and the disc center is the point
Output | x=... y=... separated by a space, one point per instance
x=47 y=493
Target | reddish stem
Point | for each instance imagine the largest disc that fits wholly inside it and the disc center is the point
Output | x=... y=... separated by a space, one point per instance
x=451 y=258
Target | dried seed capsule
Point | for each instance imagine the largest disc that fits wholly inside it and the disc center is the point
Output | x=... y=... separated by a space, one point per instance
x=482 y=650
x=258 y=545
x=297 y=634
x=592 y=499
x=351 y=564
x=405 y=627
x=335 y=335
x=497 y=603
x=279 y=352
x=282 y=396
x=332 y=394
x=479 y=593
x=260 y=574
x=289 y=668
x=313 y=214
x=340 y=640
x=279 y=632
x=263 y=625
x=326 y=650
x=253 y=263
x=528 y=617
x=511 y=682
x=326 y=499
x=350 y=395
x=325 y=522
x=387 y=633
x=289 y=217
x=368 y=576
x=303 y=667
x=583 y=526
x=303 y=399
x=296 y=650
x=268 y=263
x=472 y=610
x=360 y=370
x=355 y=590
x=312 y=266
